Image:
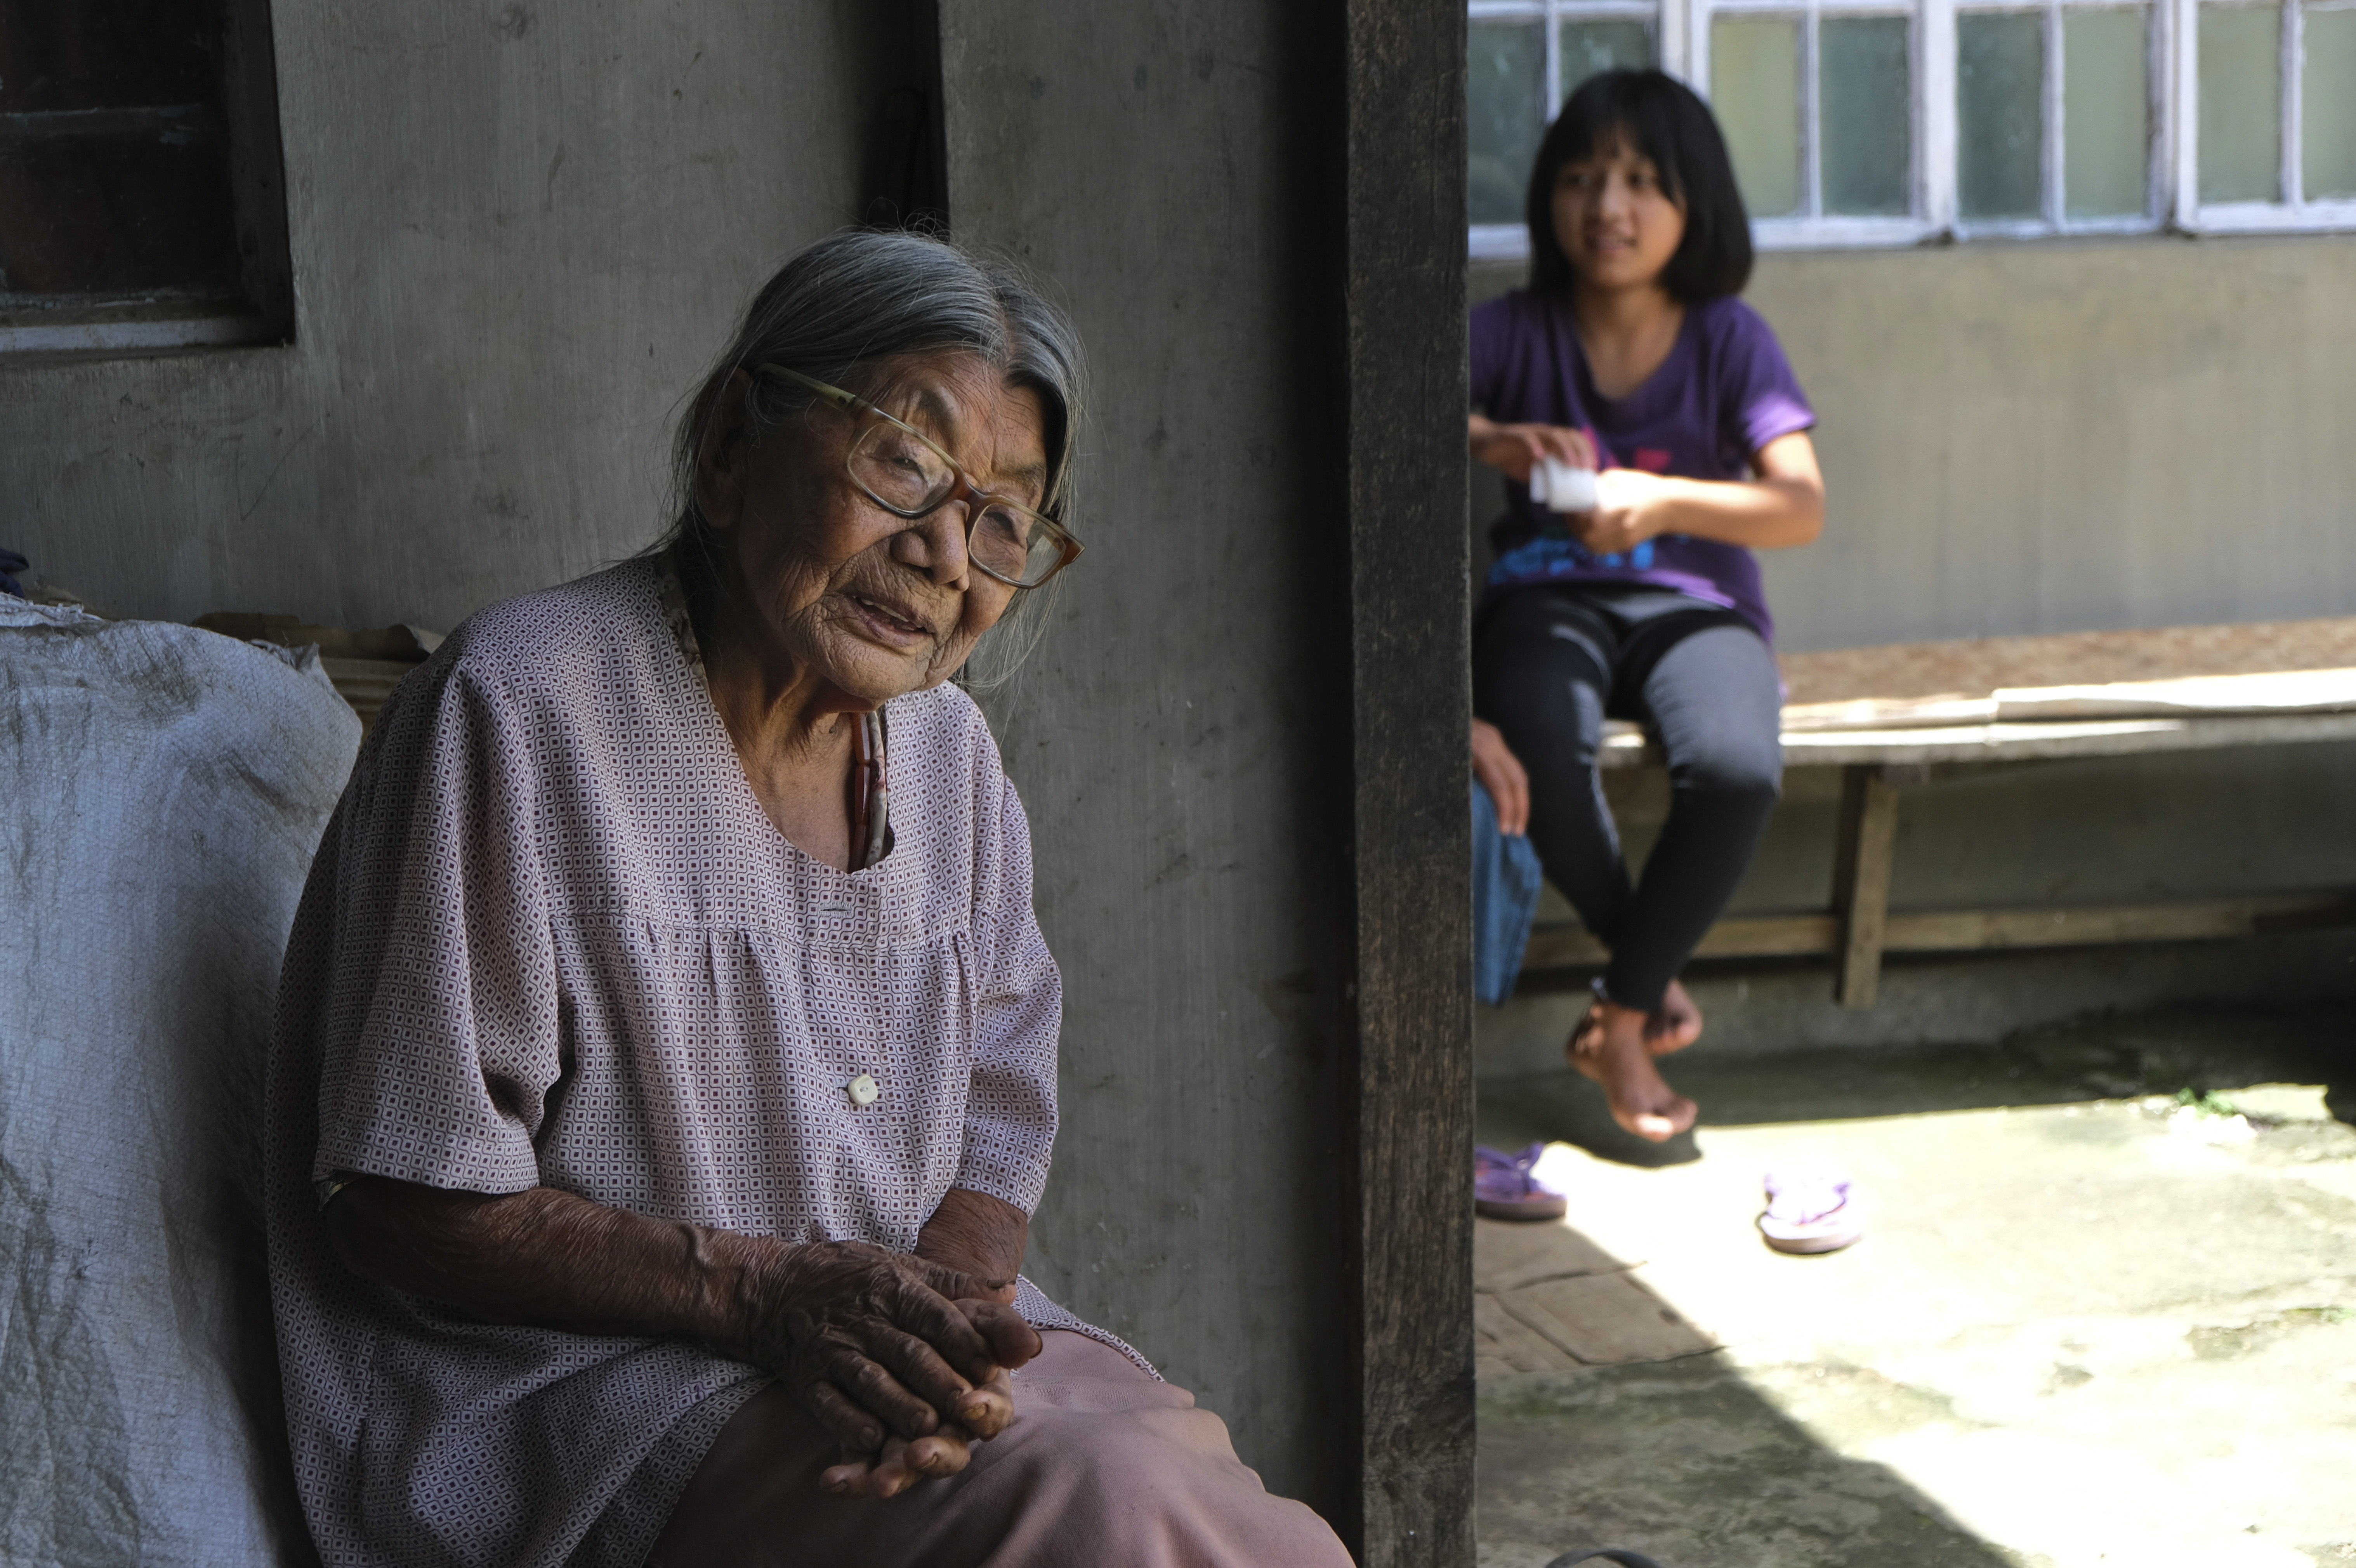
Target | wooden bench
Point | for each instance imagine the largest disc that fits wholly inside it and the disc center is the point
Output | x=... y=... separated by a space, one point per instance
x=1866 y=724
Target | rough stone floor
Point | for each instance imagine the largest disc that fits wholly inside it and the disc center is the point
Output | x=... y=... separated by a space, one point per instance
x=2088 y=1324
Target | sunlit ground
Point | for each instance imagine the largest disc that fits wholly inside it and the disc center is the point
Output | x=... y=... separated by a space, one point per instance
x=2087 y=1324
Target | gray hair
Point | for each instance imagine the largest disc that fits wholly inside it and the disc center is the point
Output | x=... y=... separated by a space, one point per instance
x=861 y=296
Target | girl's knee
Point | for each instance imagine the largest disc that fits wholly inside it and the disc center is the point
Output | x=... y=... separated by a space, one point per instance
x=1749 y=776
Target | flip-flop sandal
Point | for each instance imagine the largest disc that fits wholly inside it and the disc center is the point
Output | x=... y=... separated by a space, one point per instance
x=1506 y=1187
x=1811 y=1213
x=1620 y=1554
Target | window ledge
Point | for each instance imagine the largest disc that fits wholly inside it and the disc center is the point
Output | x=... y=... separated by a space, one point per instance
x=2272 y=217
x=116 y=338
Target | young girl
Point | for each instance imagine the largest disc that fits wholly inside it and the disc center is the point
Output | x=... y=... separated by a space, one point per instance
x=1630 y=354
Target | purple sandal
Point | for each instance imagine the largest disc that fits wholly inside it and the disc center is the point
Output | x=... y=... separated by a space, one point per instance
x=1811 y=1211
x=1505 y=1186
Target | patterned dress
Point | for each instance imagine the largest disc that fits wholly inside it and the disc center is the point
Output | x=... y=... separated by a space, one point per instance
x=550 y=939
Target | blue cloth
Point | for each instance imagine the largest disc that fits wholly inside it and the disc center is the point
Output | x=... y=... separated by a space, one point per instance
x=1505 y=878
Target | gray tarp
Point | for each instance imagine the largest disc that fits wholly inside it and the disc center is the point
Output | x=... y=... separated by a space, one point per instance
x=162 y=791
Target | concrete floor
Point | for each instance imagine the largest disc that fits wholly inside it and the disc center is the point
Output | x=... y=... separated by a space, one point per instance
x=2086 y=1326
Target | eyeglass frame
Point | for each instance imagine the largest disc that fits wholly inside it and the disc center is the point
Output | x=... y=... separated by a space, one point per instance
x=852 y=403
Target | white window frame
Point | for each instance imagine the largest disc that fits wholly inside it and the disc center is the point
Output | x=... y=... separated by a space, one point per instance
x=1681 y=31
x=2054 y=219
x=2294 y=213
x=1814 y=227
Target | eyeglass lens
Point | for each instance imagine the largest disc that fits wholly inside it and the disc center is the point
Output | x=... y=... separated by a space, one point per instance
x=910 y=477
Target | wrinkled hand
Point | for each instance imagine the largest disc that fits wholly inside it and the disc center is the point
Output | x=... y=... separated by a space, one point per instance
x=901 y=1464
x=883 y=1347
x=1624 y=515
x=1502 y=774
x=1511 y=449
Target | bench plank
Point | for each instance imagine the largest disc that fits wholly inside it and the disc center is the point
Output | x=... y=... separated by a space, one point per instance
x=1567 y=946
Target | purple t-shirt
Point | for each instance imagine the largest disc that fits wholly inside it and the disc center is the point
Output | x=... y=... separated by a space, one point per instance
x=1724 y=391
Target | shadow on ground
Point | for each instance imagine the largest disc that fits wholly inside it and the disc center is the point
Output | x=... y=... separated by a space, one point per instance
x=1684 y=1461
x=2103 y=1057
x=1608 y=1419
x=2087 y=1327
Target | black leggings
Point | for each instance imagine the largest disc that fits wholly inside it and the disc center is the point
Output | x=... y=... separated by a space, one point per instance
x=1548 y=665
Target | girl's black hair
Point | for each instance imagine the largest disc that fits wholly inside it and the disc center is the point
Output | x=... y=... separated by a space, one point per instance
x=1661 y=118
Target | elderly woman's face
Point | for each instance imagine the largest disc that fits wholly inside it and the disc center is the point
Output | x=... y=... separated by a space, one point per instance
x=878 y=605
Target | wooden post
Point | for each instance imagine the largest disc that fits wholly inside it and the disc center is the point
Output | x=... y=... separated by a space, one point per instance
x=1411 y=1084
x=1869 y=834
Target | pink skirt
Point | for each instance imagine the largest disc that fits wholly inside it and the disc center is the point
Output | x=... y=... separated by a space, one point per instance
x=1103 y=1466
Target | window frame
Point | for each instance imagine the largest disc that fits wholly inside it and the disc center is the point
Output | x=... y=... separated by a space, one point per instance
x=264 y=311
x=2292 y=214
x=1681 y=30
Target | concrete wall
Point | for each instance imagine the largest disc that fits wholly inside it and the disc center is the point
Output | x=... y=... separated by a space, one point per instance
x=520 y=231
x=1180 y=738
x=2067 y=436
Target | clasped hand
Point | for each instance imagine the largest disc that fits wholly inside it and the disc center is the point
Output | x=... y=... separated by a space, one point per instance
x=903 y=1361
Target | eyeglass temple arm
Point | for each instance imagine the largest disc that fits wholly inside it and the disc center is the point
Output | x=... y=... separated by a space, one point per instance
x=835 y=395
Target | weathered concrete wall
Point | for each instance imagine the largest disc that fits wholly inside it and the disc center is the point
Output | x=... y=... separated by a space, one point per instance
x=519 y=230
x=1182 y=737
x=2065 y=437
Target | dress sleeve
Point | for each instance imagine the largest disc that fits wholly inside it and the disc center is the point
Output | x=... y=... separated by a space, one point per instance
x=1758 y=392
x=1009 y=1119
x=440 y=1042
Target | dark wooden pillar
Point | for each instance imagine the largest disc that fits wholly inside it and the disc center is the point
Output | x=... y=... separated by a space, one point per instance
x=1410 y=817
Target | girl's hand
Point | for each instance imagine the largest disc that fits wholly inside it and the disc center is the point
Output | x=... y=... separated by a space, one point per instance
x=1511 y=449
x=1628 y=511
x=1500 y=773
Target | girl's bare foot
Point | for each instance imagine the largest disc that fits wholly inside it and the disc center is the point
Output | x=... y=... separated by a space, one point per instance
x=1609 y=1047
x=1674 y=1024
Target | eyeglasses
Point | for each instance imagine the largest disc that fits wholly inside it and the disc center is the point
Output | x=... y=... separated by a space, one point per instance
x=897 y=469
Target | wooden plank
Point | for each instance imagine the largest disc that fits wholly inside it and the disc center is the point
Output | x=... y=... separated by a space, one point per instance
x=1508 y=1254
x=1408 y=1308
x=1869 y=839
x=1606 y=1320
x=1772 y=935
x=1981 y=929
x=1504 y=1344
x=1968 y=930
x=1627 y=748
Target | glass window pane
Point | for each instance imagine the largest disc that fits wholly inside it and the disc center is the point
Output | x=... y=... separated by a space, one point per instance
x=2328 y=105
x=2105 y=114
x=1754 y=86
x=1866 y=120
x=2241 y=103
x=1589 y=48
x=1505 y=93
x=2000 y=113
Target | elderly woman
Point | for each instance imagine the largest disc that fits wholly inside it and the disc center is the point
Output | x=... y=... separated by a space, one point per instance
x=665 y=1072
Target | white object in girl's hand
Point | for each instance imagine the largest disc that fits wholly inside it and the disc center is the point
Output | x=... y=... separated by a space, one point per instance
x=1561 y=486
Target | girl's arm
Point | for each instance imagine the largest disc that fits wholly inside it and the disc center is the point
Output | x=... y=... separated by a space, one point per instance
x=1782 y=507
x=1512 y=448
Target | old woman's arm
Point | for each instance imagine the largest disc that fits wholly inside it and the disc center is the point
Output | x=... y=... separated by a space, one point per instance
x=980 y=1236
x=876 y=1344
